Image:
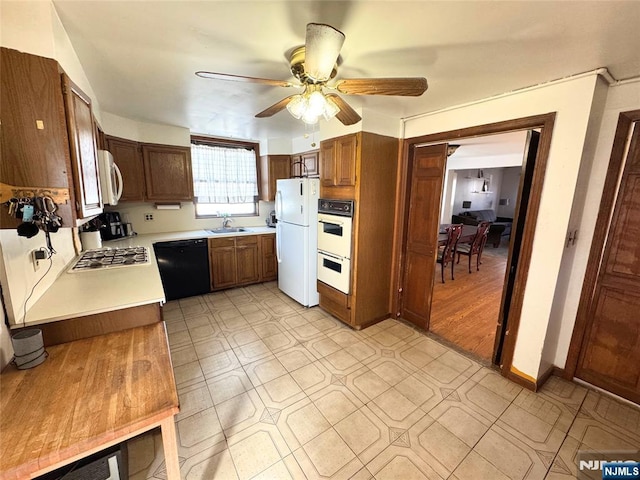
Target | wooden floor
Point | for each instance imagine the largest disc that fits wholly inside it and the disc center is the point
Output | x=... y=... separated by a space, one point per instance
x=465 y=311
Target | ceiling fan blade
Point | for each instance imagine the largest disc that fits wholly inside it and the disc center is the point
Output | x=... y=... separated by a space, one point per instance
x=405 y=87
x=275 y=108
x=241 y=78
x=347 y=115
x=322 y=47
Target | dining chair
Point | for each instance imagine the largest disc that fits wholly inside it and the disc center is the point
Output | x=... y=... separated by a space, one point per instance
x=447 y=253
x=476 y=246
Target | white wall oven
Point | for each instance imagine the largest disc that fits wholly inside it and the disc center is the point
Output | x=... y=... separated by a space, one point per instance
x=335 y=222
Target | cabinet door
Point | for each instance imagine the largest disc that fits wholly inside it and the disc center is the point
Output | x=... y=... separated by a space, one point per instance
x=83 y=149
x=222 y=257
x=268 y=257
x=327 y=161
x=345 y=161
x=128 y=157
x=167 y=173
x=272 y=168
x=247 y=259
x=310 y=160
x=34 y=147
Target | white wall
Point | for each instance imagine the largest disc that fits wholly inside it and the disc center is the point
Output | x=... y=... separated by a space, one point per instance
x=469 y=187
x=509 y=191
x=572 y=100
x=618 y=99
x=145 y=132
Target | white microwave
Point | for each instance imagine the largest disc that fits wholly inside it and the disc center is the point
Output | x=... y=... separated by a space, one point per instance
x=110 y=178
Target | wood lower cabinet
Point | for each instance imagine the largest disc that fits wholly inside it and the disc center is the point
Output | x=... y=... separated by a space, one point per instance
x=83 y=149
x=272 y=168
x=167 y=173
x=362 y=167
x=268 y=257
x=234 y=261
x=34 y=147
x=305 y=164
x=127 y=155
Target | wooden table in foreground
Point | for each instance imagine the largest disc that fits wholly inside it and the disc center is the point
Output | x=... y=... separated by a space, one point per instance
x=88 y=395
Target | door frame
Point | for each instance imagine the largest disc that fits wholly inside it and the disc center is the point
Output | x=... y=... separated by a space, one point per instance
x=545 y=123
x=617 y=162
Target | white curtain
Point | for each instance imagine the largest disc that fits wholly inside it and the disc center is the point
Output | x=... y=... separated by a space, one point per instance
x=224 y=175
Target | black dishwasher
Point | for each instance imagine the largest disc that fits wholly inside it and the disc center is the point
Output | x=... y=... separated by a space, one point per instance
x=184 y=267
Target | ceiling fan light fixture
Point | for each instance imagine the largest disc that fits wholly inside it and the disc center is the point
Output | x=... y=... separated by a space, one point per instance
x=297 y=106
x=311 y=105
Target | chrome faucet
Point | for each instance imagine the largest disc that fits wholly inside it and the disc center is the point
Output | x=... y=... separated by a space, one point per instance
x=226 y=222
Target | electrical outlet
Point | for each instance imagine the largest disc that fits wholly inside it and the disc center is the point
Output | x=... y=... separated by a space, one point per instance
x=148 y=217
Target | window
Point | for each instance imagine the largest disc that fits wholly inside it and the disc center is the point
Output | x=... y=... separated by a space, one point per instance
x=225 y=177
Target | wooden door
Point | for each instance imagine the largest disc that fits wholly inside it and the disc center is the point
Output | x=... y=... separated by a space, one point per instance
x=327 y=162
x=128 y=157
x=222 y=260
x=421 y=237
x=247 y=261
x=268 y=257
x=610 y=353
x=345 y=160
x=167 y=173
x=83 y=149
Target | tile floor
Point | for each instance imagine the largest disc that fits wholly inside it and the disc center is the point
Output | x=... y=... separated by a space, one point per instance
x=271 y=390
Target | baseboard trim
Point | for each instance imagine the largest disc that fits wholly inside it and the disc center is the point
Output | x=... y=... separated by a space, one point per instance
x=529 y=382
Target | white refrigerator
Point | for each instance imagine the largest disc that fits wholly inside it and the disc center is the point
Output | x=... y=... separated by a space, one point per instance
x=297 y=238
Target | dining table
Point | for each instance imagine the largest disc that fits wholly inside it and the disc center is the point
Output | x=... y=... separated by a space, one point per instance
x=468 y=232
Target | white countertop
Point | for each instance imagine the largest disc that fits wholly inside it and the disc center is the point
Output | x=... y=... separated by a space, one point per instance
x=96 y=291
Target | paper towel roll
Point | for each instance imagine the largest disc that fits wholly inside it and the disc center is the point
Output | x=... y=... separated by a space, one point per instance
x=28 y=348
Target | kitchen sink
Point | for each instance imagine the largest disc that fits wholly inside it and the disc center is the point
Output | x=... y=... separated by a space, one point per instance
x=228 y=230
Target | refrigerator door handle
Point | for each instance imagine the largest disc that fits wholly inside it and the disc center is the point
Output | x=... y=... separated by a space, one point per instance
x=278 y=241
x=278 y=205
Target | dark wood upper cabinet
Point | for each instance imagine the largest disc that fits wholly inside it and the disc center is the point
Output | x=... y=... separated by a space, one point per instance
x=305 y=164
x=272 y=168
x=128 y=157
x=34 y=149
x=167 y=172
x=338 y=159
x=83 y=149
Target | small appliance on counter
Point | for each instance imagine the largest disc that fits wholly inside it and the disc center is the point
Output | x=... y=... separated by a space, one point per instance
x=111 y=226
x=271 y=219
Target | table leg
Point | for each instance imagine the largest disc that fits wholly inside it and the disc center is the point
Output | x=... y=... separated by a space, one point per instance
x=170 y=446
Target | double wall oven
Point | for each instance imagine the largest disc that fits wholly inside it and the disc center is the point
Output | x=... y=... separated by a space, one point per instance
x=335 y=221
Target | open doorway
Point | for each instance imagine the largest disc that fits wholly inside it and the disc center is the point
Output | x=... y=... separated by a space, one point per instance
x=420 y=186
x=482 y=178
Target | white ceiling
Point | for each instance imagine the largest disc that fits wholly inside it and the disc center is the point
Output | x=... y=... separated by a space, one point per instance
x=140 y=56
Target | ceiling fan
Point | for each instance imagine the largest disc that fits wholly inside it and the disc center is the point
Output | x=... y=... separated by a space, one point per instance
x=315 y=65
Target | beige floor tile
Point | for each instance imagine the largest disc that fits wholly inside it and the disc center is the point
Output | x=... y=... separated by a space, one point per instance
x=280 y=341
x=179 y=339
x=203 y=333
x=240 y=412
x=386 y=340
x=226 y=316
x=404 y=332
x=313 y=377
x=547 y=408
x=211 y=346
x=176 y=326
x=512 y=457
x=421 y=391
x=267 y=329
x=264 y=370
x=391 y=370
x=295 y=357
x=565 y=464
x=183 y=355
x=286 y=469
x=429 y=346
x=601 y=436
x=256 y=449
x=396 y=410
x=443 y=375
x=249 y=307
x=442 y=449
x=495 y=382
x=416 y=355
x=314 y=313
x=364 y=433
x=281 y=392
x=345 y=338
x=341 y=362
x=200 y=321
x=327 y=325
x=336 y=402
x=252 y=352
x=257 y=318
x=328 y=456
x=465 y=423
x=321 y=346
x=366 y=385
x=228 y=385
x=145 y=455
x=195 y=309
x=219 y=363
x=363 y=474
x=193 y=399
x=278 y=307
x=291 y=321
x=171 y=316
x=305 y=332
x=301 y=422
x=481 y=399
x=198 y=432
x=474 y=466
x=237 y=338
x=364 y=351
x=570 y=394
x=396 y=463
x=188 y=374
x=622 y=416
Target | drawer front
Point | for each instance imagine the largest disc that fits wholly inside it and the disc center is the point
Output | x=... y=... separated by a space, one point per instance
x=222 y=242
x=247 y=240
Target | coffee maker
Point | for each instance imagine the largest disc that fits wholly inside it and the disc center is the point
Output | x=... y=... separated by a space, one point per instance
x=111 y=227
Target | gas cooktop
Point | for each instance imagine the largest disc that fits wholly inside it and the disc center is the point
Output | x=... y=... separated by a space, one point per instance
x=111 y=258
